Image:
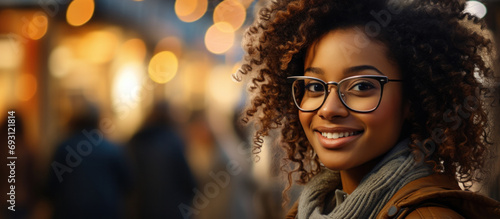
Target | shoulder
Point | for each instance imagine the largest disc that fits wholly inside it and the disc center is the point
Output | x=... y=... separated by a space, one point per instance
x=438 y=196
x=436 y=212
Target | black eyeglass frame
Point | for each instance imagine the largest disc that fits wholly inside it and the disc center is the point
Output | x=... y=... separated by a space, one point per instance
x=380 y=78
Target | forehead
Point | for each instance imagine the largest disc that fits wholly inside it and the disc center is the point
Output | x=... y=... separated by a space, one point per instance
x=341 y=49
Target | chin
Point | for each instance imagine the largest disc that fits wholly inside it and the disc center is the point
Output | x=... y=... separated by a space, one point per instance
x=336 y=166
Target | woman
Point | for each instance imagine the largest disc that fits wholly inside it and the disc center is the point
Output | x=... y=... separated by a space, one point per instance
x=378 y=103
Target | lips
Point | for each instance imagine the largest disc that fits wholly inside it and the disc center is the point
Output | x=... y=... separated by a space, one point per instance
x=336 y=138
x=336 y=135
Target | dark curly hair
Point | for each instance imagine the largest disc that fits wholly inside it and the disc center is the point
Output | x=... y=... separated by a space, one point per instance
x=443 y=55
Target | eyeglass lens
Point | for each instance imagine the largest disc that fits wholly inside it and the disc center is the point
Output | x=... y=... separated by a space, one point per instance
x=358 y=94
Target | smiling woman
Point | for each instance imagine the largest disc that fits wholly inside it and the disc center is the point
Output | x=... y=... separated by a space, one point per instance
x=364 y=89
x=376 y=126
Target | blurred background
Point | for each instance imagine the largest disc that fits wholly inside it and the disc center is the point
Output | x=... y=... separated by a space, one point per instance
x=124 y=105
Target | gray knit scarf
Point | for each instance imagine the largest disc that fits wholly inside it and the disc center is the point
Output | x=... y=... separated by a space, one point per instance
x=396 y=169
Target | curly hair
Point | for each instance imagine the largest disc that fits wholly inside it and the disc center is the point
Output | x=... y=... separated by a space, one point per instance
x=442 y=54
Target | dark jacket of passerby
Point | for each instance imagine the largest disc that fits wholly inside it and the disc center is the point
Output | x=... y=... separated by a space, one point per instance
x=89 y=178
x=163 y=178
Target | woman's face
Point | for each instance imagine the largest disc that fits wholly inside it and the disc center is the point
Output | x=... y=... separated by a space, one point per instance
x=338 y=55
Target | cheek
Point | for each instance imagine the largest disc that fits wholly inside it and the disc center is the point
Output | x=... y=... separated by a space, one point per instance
x=388 y=119
x=385 y=115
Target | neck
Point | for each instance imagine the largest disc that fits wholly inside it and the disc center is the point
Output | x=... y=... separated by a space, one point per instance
x=351 y=178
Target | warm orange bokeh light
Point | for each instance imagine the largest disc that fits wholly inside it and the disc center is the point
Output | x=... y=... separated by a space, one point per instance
x=11 y=53
x=26 y=86
x=37 y=27
x=230 y=11
x=134 y=50
x=98 y=46
x=163 y=67
x=79 y=12
x=61 y=61
x=219 y=38
x=190 y=10
x=185 y=7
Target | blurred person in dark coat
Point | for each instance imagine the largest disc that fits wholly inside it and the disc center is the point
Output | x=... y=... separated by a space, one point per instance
x=89 y=176
x=163 y=176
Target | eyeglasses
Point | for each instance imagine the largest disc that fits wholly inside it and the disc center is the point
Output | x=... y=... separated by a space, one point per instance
x=361 y=93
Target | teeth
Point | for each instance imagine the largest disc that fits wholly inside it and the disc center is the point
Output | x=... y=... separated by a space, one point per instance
x=336 y=135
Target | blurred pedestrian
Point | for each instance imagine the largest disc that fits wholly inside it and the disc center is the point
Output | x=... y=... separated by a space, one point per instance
x=89 y=176
x=163 y=177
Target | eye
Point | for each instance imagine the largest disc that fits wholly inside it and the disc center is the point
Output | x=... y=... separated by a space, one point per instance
x=362 y=86
x=315 y=87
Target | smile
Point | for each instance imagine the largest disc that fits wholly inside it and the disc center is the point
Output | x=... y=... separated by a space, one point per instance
x=336 y=135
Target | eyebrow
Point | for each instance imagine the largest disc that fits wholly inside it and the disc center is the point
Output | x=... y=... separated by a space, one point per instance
x=350 y=70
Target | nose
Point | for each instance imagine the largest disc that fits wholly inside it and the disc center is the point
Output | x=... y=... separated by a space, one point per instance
x=333 y=107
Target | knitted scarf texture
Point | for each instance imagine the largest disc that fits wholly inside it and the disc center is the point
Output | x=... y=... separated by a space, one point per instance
x=396 y=169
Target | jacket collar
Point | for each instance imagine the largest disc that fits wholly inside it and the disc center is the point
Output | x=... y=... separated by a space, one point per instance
x=442 y=190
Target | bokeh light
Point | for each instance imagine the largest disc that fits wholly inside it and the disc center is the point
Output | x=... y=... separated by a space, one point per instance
x=61 y=61
x=190 y=10
x=127 y=83
x=38 y=25
x=80 y=12
x=12 y=53
x=187 y=89
x=231 y=12
x=128 y=97
x=133 y=50
x=163 y=67
x=98 y=46
x=475 y=8
x=219 y=38
x=27 y=87
x=185 y=7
